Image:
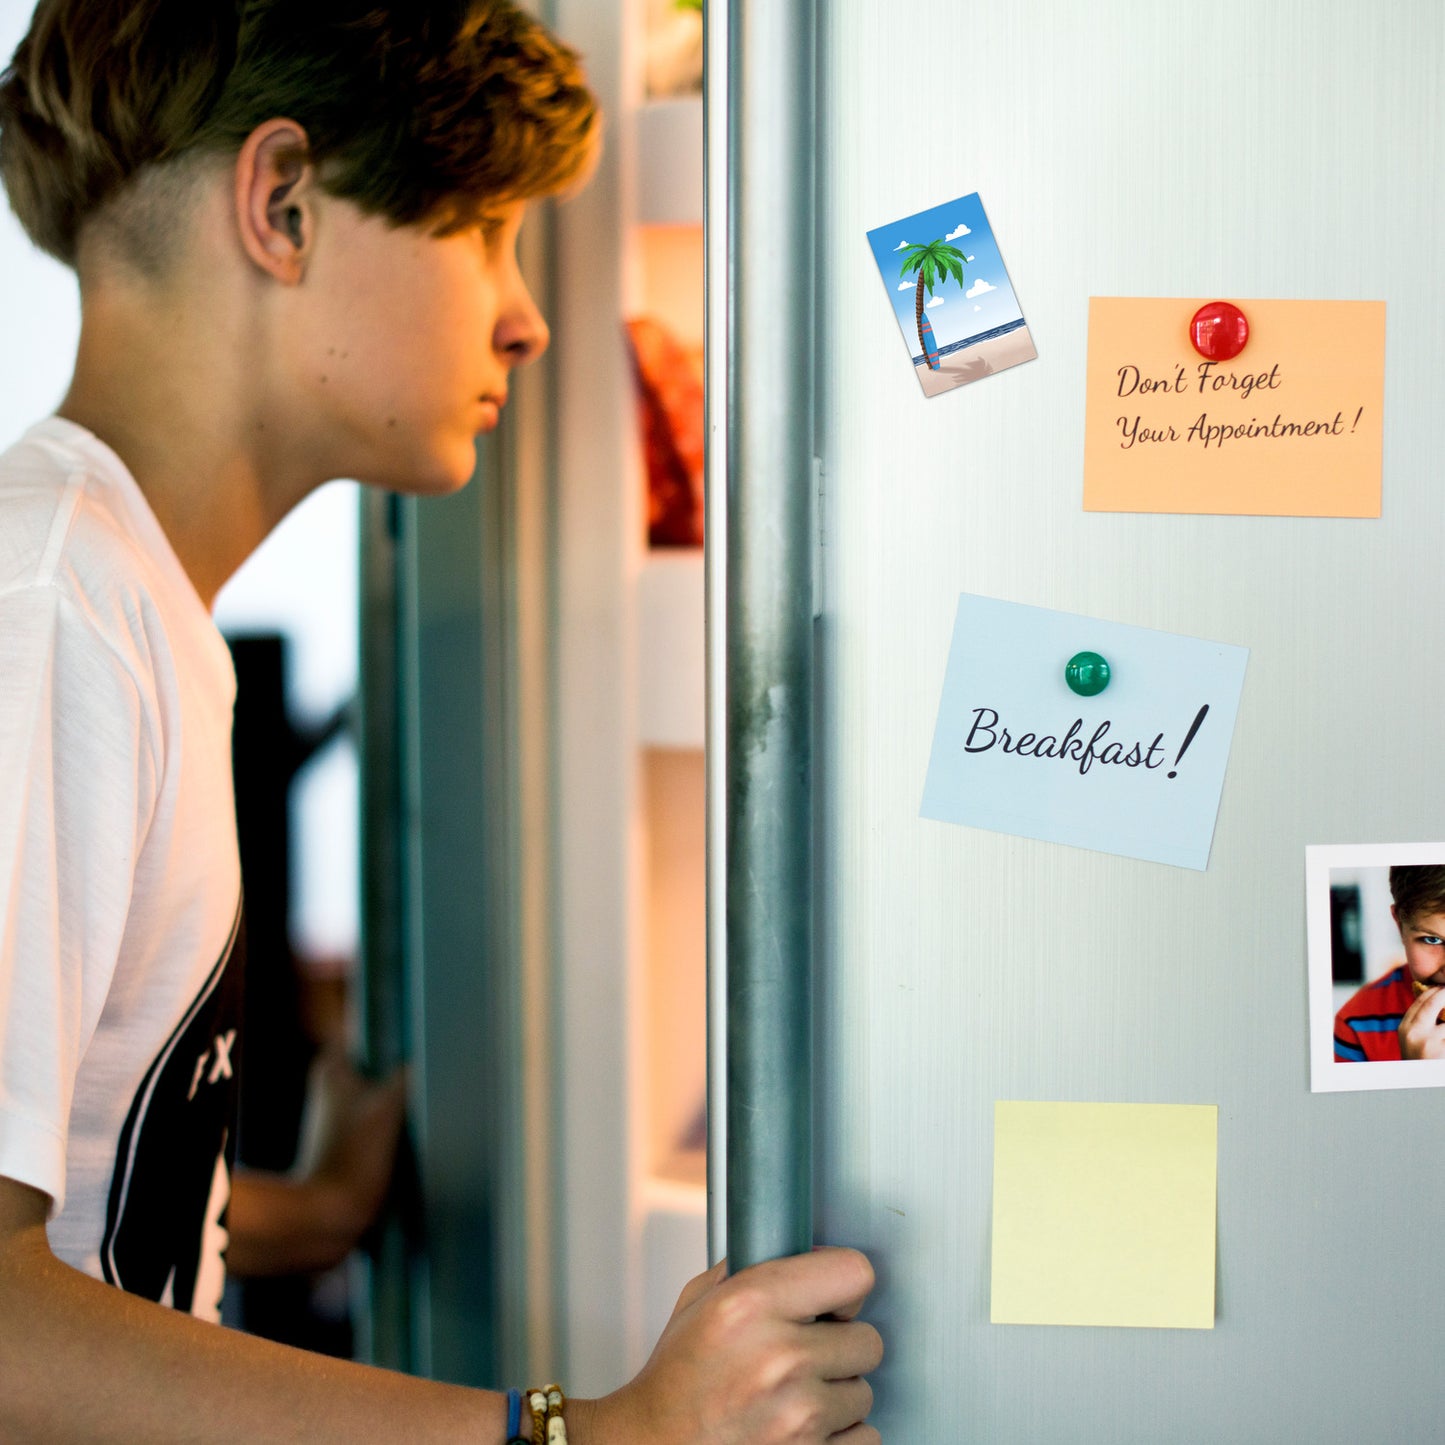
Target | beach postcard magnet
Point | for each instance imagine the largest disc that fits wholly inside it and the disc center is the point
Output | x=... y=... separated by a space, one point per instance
x=951 y=295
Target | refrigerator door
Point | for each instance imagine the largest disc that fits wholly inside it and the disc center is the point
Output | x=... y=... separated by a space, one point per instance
x=1124 y=149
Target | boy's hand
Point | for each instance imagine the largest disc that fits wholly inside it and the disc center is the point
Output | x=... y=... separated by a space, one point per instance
x=310 y=1219
x=349 y=1133
x=1422 y=1035
x=772 y=1356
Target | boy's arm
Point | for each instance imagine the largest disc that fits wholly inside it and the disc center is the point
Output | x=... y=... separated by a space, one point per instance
x=1348 y=1048
x=743 y=1362
x=85 y=1362
x=280 y=1225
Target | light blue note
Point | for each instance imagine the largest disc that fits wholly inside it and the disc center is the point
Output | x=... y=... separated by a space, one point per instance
x=1016 y=751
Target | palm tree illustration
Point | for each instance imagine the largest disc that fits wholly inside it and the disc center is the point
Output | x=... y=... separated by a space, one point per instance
x=934 y=263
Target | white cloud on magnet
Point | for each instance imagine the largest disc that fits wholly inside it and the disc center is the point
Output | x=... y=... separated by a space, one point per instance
x=961 y=231
x=978 y=288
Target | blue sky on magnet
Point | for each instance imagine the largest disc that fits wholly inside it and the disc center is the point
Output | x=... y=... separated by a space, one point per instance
x=986 y=300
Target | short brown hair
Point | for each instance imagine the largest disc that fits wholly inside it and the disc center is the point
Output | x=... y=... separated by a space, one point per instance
x=424 y=111
x=1417 y=891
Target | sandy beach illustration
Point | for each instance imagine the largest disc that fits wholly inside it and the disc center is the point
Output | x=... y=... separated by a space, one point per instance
x=983 y=358
x=952 y=296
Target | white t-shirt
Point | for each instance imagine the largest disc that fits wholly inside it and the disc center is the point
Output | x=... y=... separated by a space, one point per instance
x=120 y=883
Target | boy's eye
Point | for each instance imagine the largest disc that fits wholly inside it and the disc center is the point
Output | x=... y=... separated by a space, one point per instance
x=1431 y=938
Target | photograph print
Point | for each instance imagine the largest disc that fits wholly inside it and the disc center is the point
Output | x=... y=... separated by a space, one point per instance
x=1376 y=921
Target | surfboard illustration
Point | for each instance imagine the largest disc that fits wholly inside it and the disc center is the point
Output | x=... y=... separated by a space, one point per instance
x=930 y=346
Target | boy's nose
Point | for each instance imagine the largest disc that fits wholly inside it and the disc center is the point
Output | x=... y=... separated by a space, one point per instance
x=522 y=333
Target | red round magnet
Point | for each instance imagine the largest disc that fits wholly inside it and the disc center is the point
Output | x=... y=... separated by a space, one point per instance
x=1219 y=330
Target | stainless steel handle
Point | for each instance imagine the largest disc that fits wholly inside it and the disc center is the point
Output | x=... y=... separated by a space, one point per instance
x=769 y=625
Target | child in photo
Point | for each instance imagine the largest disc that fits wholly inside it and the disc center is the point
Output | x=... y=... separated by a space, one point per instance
x=1399 y=1015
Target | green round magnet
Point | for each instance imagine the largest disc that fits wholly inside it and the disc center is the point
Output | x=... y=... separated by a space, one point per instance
x=1087 y=674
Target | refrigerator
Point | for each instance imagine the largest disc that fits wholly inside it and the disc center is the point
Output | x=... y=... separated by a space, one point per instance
x=880 y=981
x=1121 y=150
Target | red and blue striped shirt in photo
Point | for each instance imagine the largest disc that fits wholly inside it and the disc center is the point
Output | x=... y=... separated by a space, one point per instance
x=1367 y=1029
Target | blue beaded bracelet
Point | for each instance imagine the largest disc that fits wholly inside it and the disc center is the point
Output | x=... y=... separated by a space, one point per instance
x=514 y=1420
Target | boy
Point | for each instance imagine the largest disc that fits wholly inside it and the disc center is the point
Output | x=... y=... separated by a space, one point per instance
x=294 y=227
x=1399 y=1015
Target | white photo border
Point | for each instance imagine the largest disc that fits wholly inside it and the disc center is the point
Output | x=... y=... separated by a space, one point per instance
x=1327 y=1076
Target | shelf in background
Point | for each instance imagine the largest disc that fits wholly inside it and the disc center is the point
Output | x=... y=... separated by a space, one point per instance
x=669 y=162
x=684 y=1167
x=670 y=647
x=674 y=1248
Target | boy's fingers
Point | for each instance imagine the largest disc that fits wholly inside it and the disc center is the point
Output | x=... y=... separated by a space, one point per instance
x=394 y=1088
x=696 y=1288
x=847 y=1403
x=1432 y=998
x=847 y=1350
x=849 y=1310
x=829 y=1281
x=1435 y=1007
x=858 y=1435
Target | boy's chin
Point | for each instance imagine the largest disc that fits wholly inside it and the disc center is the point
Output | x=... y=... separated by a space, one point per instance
x=437 y=472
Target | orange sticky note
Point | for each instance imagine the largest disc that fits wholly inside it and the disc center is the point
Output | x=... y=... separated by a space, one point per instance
x=1291 y=427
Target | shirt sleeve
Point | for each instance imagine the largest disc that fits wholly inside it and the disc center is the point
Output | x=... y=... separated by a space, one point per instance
x=1348 y=1048
x=76 y=790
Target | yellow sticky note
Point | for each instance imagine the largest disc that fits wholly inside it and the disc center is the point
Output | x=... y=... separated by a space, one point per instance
x=1291 y=427
x=1104 y=1214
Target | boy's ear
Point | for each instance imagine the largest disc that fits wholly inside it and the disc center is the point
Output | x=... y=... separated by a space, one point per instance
x=273 y=198
x=1395 y=914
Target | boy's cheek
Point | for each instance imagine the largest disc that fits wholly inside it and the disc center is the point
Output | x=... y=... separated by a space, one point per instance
x=1425 y=973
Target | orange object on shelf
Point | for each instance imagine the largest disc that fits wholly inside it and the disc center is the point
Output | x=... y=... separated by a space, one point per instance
x=670 y=403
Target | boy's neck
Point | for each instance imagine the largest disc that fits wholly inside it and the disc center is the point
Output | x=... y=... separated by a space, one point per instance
x=173 y=401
